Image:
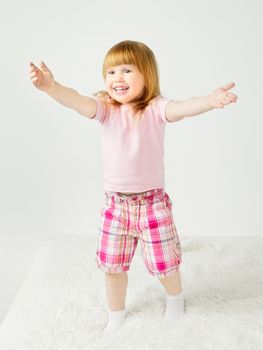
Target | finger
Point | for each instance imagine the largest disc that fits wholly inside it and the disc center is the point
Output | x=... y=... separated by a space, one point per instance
x=33 y=67
x=233 y=95
x=226 y=101
x=228 y=86
x=36 y=71
x=43 y=66
x=229 y=99
x=35 y=80
x=33 y=75
x=33 y=70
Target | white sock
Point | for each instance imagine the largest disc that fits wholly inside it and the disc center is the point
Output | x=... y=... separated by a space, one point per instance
x=115 y=320
x=174 y=307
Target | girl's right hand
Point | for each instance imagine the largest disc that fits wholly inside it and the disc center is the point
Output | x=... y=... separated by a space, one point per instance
x=42 y=77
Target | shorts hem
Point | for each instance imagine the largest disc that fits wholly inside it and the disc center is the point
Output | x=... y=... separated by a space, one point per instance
x=171 y=272
x=112 y=269
x=168 y=273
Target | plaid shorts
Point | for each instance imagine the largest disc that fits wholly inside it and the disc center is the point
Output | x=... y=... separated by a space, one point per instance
x=146 y=216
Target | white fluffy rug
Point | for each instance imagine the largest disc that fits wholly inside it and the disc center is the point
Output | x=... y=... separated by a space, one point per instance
x=62 y=304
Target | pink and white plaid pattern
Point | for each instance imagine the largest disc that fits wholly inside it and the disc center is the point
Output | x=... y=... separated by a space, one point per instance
x=147 y=216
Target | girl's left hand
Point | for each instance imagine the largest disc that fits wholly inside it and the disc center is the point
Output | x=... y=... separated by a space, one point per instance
x=221 y=97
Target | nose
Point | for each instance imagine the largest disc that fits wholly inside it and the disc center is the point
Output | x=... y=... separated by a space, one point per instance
x=118 y=76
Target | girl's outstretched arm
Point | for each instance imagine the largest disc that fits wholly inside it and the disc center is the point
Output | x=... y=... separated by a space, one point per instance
x=43 y=79
x=177 y=110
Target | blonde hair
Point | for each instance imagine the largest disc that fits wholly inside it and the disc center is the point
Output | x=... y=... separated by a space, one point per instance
x=140 y=55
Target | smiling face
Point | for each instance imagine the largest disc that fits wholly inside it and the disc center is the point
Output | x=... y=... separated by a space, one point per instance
x=124 y=83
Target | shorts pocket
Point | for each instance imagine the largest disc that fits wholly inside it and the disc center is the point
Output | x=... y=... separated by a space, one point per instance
x=159 y=215
x=112 y=214
x=168 y=202
x=104 y=209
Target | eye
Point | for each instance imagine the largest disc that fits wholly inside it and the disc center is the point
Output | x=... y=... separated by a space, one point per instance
x=127 y=70
x=111 y=72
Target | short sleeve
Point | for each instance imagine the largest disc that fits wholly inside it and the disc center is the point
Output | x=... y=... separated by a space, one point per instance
x=161 y=103
x=101 y=110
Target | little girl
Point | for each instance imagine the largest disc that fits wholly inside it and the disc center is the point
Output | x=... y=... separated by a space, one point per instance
x=133 y=115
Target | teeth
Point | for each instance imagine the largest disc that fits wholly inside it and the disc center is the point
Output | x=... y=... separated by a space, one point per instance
x=120 y=89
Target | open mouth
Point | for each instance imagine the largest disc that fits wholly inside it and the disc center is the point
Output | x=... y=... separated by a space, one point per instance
x=121 y=89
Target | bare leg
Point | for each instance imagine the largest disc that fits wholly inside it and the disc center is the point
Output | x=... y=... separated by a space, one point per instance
x=116 y=287
x=172 y=284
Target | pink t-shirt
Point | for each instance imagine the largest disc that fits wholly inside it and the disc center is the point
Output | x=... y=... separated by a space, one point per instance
x=133 y=153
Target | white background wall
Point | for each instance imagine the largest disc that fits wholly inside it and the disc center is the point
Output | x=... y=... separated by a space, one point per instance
x=51 y=179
